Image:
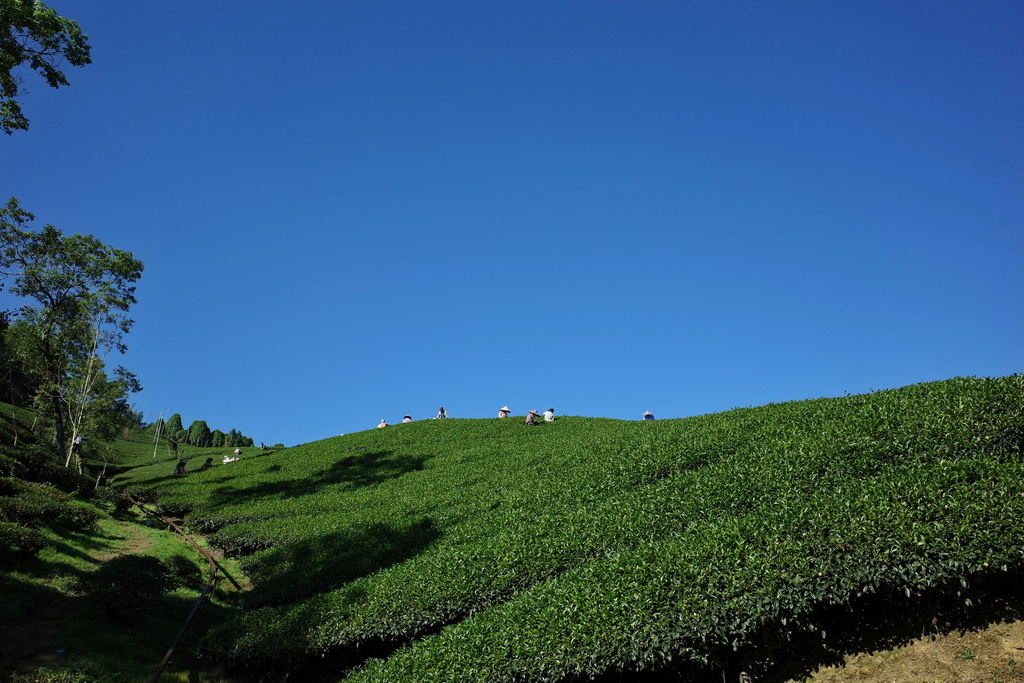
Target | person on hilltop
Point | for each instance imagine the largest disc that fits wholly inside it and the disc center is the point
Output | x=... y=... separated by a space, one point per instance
x=531 y=417
x=207 y=465
x=503 y=412
x=238 y=452
x=407 y=418
x=549 y=415
x=648 y=415
x=383 y=423
x=440 y=414
x=180 y=467
x=228 y=458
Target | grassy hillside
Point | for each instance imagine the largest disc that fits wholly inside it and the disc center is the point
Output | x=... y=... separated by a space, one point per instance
x=489 y=550
x=66 y=615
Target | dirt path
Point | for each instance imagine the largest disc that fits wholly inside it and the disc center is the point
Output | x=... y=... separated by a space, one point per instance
x=134 y=541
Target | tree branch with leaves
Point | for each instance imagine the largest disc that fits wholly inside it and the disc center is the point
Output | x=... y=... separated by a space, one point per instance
x=33 y=34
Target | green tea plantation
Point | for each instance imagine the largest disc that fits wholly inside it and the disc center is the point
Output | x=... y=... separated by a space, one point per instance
x=587 y=548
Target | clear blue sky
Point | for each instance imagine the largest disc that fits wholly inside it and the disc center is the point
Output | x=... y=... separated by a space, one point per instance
x=351 y=211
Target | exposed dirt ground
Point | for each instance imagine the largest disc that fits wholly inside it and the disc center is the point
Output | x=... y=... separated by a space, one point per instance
x=994 y=654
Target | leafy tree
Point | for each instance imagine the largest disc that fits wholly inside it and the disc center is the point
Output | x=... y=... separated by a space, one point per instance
x=109 y=412
x=82 y=290
x=199 y=434
x=31 y=33
x=217 y=438
x=173 y=426
x=16 y=386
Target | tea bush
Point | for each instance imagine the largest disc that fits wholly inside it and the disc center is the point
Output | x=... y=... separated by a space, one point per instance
x=183 y=572
x=21 y=539
x=127 y=583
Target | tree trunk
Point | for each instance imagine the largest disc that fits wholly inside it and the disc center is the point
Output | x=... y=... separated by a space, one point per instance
x=58 y=429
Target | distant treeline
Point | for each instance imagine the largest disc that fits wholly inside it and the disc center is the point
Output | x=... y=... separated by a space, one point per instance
x=199 y=434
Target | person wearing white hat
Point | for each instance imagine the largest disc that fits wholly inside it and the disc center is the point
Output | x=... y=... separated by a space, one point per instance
x=648 y=415
x=531 y=417
x=503 y=412
x=383 y=423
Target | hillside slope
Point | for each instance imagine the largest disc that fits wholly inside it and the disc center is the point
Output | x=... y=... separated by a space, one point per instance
x=489 y=550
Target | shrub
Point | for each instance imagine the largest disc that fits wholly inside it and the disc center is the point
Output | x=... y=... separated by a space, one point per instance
x=173 y=509
x=11 y=467
x=142 y=494
x=29 y=508
x=79 y=517
x=183 y=571
x=22 y=540
x=127 y=583
x=115 y=498
x=55 y=675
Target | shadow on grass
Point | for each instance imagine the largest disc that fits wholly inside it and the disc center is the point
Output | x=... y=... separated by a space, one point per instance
x=353 y=472
x=73 y=544
x=320 y=564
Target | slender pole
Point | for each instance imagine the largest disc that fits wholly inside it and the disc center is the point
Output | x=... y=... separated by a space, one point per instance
x=159 y=428
x=184 y=627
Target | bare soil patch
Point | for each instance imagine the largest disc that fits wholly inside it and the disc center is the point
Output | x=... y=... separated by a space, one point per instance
x=994 y=654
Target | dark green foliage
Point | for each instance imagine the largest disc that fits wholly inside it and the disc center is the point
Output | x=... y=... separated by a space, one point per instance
x=60 y=674
x=18 y=385
x=80 y=291
x=117 y=500
x=10 y=467
x=183 y=571
x=21 y=539
x=38 y=505
x=31 y=504
x=172 y=508
x=199 y=434
x=79 y=517
x=41 y=465
x=591 y=547
x=127 y=583
x=142 y=494
x=173 y=426
x=34 y=35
